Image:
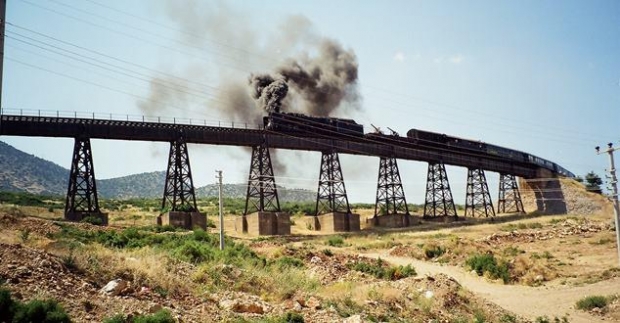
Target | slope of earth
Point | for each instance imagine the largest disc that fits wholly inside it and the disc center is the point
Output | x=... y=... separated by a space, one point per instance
x=72 y=262
x=22 y=172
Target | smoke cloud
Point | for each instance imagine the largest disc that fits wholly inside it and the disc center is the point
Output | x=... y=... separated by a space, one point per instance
x=322 y=83
x=246 y=72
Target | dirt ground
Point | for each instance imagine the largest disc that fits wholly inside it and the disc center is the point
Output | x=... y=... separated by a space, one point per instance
x=555 y=260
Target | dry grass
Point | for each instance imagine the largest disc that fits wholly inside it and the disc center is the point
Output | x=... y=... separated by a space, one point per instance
x=143 y=267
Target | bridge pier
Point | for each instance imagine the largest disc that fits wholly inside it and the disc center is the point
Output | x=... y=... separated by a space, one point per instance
x=179 y=200
x=509 y=199
x=547 y=191
x=333 y=212
x=262 y=214
x=438 y=200
x=478 y=199
x=391 y=208
x=82 y=201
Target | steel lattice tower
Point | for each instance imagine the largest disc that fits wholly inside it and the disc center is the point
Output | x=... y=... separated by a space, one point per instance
x=438 y=201
x=331 y=194
x=478 y=199
x=82 y=191
x=509 y=200
x=390 y=193
x=179 y=194
x=262 y=192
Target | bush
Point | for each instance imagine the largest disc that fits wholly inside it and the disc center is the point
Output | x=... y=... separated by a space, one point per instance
x=288 y=262
x=162 y=316
x=590 y=302
x=380 y=270
x=6 y=305
x=92 y=219
x=486 y=263
x=434 y=251
x=291 y=317
x=335 y=241
x=47 y=311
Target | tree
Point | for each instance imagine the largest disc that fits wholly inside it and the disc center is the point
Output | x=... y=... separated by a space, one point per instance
x=593 y=182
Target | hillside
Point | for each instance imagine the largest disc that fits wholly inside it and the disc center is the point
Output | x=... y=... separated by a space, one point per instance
x=133 y=186
x=22 y=172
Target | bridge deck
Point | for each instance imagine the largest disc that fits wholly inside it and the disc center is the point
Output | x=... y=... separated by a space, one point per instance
x=45 y=126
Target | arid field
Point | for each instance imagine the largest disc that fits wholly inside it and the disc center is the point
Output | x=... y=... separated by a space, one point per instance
x=511 y=268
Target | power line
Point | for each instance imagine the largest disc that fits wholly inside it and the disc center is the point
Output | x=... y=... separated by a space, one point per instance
x=89 y=82
x=123 y=71
x=115 y=58
x=85 y=21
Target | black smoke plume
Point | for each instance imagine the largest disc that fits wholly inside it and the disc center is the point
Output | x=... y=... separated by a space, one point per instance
x=320 y=83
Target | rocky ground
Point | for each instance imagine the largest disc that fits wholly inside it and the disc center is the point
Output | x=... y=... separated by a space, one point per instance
x=553 y=260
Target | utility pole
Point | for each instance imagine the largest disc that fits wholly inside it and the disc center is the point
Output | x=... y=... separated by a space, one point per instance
x=219 y=177
x=2 y=33
x=614 y=189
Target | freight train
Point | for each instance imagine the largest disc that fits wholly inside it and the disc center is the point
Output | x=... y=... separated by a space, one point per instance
x=422 y=137
x=309 y=126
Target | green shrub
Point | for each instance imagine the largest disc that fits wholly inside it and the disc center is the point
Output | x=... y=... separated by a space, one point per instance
x=118 y=318
x=46 y=311
x=590 y=302
x=92 y=219
x=433 y=251
x=6 y=305
x=288 y=262
x=335 y=241
x=328 y=252
x=382 y=271
x=24 y=235
x=162 y=316
x=486 y=263
x=291 y=317
x=508 y=318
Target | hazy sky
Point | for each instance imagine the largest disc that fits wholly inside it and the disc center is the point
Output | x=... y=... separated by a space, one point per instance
x=538 y=76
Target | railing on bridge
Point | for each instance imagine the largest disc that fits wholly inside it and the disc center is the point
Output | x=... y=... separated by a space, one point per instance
x=129 y=117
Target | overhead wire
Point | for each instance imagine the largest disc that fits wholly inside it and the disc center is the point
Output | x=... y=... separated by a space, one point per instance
x=87 y=81
x=142 y=39
x=202 y=37
x=116 y=69
x=201 y=84
x=428 y=101
x=86 y=22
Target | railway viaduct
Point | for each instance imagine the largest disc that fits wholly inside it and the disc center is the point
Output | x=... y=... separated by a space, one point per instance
x=262 y=212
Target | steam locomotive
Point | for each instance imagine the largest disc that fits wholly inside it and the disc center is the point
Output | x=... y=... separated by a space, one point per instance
x=309 y=126
x=300 y=124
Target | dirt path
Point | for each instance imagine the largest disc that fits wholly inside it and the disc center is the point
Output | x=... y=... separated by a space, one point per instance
x=529 y=302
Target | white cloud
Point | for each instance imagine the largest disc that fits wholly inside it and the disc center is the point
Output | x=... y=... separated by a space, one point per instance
x=457 y=59
x=399 y=56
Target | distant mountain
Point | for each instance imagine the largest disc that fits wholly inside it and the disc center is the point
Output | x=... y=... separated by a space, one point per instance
x=133 y=186
x=22 y=172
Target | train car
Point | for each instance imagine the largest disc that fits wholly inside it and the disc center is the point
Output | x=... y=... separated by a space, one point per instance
x=429 y=138
x=300 y=124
